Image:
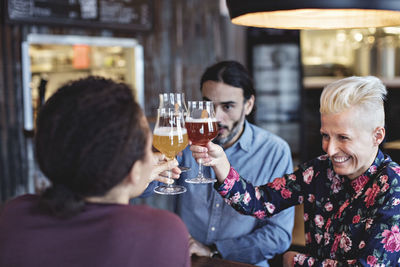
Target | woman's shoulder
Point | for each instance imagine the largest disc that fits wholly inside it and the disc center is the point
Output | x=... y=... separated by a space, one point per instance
x=151 y=217
x=18 y=202
x=154 y=222
x=391 y=174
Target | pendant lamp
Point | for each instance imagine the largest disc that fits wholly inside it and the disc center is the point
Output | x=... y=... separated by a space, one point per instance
x=315 y=14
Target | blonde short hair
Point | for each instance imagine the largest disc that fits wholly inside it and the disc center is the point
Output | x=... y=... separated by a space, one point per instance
x=368 y=93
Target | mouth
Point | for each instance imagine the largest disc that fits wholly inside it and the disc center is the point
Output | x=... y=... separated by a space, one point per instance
x=222 y=129
x=340 y=159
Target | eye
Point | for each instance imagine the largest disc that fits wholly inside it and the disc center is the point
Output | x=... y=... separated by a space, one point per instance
x=325 y=136
x=227 y=107
x=343 y=137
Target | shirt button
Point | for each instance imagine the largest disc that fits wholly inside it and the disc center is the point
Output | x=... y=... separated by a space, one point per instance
x=217 y=205
x=213 y=228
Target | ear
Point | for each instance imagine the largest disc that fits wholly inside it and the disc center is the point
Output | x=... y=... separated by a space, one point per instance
x=134 y=174
x=134 y=181
x=379 y=135
x=248 y=105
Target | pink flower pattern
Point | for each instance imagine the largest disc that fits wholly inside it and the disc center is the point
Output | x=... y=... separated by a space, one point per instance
x=391 y=239
x=396 y=169
x=333 y=220
x=286 y=193
x=371 y=260
x=319 y=221
x=308 y=175
x=328 y=206
x=278 y=183
x=371 y=194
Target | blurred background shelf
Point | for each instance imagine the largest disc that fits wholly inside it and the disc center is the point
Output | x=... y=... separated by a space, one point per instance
x=319 y=82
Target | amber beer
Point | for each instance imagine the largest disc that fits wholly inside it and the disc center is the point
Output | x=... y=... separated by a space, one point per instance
x=201 y=131
x=170 y=142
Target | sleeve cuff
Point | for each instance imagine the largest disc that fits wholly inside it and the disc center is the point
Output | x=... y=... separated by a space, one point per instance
x=229 y=182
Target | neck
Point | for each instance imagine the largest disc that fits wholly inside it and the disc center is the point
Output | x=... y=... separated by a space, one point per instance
x=114 y=196
x=237 y=135
x=234 y=139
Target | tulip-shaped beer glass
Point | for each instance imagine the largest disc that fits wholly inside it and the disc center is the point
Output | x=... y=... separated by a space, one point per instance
x=202 y=127
x=170 y=137
x=174 y=101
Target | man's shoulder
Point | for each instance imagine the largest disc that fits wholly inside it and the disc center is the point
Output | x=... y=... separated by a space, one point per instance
x=263 y=137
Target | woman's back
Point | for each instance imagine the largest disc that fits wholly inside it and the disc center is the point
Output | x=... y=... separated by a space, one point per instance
x=101 y=235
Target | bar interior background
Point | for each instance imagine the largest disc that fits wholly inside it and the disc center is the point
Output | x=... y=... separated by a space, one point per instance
x=178 y=40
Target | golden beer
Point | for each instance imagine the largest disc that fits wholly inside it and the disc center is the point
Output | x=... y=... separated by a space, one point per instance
x=170 y=141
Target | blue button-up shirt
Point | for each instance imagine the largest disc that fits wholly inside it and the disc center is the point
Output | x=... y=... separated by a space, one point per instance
x=260 y=156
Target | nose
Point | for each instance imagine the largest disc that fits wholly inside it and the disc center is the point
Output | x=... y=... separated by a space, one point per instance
x=331 y=147
x=219 y=114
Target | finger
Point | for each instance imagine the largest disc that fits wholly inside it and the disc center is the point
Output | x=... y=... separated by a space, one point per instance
x=207 y=162
x=158 y=156
x=198 y=149
x=161 y=169
x=165 y=180
x=166 y=165
x=175 y=172
x=199 y=155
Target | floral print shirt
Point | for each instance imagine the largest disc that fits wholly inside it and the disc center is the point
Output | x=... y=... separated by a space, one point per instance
x=347 y=222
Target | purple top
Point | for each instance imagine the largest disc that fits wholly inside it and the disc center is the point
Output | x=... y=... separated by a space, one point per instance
x=101 y=235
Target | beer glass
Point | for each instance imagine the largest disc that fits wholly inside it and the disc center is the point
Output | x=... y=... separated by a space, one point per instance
x=174 y=101
x=170 y=137
x=202 y=127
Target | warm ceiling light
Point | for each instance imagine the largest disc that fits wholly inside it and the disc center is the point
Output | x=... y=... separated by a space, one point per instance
x=315 y=14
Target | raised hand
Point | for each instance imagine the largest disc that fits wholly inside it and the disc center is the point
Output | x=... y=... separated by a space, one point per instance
x=212 y=155
x=161 y=166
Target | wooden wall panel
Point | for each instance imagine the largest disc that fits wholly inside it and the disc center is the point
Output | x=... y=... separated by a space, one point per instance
x=188 y=36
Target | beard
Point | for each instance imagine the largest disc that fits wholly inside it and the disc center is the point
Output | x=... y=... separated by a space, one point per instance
x=236 y=128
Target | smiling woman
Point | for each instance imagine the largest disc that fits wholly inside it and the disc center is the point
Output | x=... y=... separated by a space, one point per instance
x=352 y=123
x=351 y=195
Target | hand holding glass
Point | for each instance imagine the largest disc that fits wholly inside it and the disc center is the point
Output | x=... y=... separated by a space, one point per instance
x=170 y=137
x=202 y=127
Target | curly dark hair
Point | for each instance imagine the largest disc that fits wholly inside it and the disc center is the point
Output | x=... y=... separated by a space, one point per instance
x=89 y=135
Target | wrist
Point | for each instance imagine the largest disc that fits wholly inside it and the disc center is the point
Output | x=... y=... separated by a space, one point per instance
x=214 y=253
x=222 y=170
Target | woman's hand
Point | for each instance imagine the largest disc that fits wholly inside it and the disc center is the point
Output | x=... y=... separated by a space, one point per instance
x=161 y=167
x=212 y=155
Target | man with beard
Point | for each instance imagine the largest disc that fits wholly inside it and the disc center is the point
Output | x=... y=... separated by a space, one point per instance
x=216 y=229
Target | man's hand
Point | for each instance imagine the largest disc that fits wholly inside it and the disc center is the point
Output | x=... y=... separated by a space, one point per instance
x=197 y=248
x=161 y=167
x=288 y=258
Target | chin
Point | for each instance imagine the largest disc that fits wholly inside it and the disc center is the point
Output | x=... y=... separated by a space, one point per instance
x=341 y=171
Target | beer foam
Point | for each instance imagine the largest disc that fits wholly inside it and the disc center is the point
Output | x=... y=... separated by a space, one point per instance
x=167 y=131
x=202 y=120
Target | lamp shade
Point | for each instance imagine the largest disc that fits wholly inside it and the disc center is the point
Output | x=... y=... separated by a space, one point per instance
x=315 y=14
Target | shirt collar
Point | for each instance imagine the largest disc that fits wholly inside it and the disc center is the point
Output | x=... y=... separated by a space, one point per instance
x=246 y=138
x=359 y=183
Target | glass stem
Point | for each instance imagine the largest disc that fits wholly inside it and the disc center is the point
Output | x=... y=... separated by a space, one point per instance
x=170 y=180
x=200 y=174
